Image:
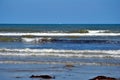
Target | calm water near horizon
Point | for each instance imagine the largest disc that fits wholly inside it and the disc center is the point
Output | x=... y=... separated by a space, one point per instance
x=56 y=27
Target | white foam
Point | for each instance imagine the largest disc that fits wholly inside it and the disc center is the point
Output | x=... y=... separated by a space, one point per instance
x=41 y=39
x=91 y=33
x=61 y=53
x=97 y=31
x=28 y=39
x=57 y=62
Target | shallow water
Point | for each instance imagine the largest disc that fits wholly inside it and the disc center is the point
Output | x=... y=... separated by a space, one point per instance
x=24 y=71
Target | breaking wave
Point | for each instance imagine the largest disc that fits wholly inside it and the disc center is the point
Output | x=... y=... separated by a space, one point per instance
x=61 y=53
x=57 y=62
x=59 y=34
x=68 y=40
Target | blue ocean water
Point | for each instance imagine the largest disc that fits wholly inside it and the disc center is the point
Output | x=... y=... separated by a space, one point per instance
x=89 y=50
x=92 y=55
x=65 y=43
x=56 y=27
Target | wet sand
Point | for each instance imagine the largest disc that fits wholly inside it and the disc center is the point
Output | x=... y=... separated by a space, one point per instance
x=10 y=71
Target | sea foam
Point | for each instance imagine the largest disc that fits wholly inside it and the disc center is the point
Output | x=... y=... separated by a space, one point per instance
x=91 y=33
x=61 y=53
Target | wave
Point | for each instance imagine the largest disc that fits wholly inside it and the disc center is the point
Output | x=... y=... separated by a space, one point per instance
x=38 y=40
x=68 y=40
x=59 y=62
x=91 y=33
x=31 y=39
x=61 y=53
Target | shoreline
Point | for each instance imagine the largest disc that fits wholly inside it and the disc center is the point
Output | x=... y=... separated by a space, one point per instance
x=60 y=71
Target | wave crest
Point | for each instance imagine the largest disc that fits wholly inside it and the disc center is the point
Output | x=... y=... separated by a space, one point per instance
x=61 y=53
x=91 y=33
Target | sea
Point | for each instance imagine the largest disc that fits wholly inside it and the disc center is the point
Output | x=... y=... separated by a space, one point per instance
x=83 y=44
x=64 y=51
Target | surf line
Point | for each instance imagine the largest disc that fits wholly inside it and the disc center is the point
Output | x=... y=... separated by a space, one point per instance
x=60 y=34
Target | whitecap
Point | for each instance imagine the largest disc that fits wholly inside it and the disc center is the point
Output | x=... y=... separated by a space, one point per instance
x=61 y=53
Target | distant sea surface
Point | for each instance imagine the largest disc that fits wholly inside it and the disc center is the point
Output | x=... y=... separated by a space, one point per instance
x=56 y=27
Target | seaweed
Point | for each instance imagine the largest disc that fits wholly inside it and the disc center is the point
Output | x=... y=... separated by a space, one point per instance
x=80 y=31
x=9 y=39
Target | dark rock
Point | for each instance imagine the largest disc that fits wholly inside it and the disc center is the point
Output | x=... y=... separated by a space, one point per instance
x=18 y=77
x=103 y=78
x=43 y=76
x=69 y=65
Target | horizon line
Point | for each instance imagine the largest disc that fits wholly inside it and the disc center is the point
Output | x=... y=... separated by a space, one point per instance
x=57 y=23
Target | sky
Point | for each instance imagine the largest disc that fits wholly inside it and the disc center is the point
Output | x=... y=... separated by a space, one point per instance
x=60 y=11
